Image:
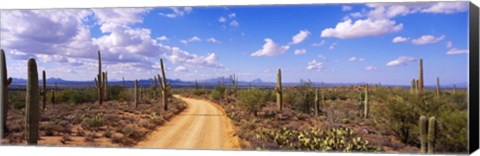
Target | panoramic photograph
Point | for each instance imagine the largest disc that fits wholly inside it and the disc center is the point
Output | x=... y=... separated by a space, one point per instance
x=356 y=77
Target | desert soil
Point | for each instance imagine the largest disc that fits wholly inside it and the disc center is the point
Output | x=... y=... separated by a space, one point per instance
x=203 y=125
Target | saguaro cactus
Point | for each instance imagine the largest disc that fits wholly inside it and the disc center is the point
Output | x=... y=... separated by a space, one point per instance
x=366 y=109
x=98 y=81
x=52 y=99
x=154 y=87
x=454 y=89
x=422 y=124
x=32 y=108
x=438 y=88
x=196 y=85
x=317 y=102
x=105 y=85
x=135 y=92
x=279 y=91
x=4 y=82
x=43 y=92
x=420 y=75
x=413 y=87
x=432 y=133
x=234 y=81
x=164 y=87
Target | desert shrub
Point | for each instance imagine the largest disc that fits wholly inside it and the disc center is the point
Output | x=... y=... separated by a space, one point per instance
x=114 y=92
x=17 y=99
x=218 y=92
x=253 y=100
x=76 y=96
x=301 y=98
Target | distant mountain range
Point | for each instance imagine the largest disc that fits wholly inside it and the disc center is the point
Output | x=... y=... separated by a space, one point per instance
x=208 y=83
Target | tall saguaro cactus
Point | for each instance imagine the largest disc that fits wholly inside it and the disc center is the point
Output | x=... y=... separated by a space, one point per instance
x=454 y=89
x=413 y=86
x=135 y=92
x=234 y=81
x=52 y=99
x=154 y=87
x=43 y=92
x=105 y=85
x=4 y=82
x=438 y=88
x=366 y=108
x=422 y=124
x=98 y=81
x=164 y=87
x=279 y=91
x=32 y=108
x=420 y=75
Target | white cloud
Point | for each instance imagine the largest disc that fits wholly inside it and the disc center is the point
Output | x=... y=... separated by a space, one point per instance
x=232 y=15
x=270 y=48
x=332 y=46
x=455 y=51
x=401 y=61
x=222 y=19
x=162 y=38
x=300 y=51
x=356 y=59
x=234 y=23
x=315 y=65
x=180 y=69
x=322 y=57
x=213 y=40
x=180 y=56
x=362 y=28
x=177 y=12
x=427 y=39
x=449 y=45
x=447 y=7
x=322 y=42
x=300 y=37
x=370 y=68
x=346 y=8
x=194 y=39
x=184 y=41
x=399 y=39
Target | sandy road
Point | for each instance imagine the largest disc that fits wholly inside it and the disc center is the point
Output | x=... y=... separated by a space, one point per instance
x=203 y=125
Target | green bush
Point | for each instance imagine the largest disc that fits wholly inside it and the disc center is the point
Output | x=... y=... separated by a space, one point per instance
x=253 y=100
x=218 y=92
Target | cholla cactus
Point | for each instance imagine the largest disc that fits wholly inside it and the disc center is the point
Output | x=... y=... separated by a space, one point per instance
x=32 y=109
x=4 y=82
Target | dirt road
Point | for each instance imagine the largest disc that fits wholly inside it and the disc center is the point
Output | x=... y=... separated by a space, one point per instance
x=203 y=125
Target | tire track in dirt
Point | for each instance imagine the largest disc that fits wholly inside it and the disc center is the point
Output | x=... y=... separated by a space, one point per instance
x=203 y=125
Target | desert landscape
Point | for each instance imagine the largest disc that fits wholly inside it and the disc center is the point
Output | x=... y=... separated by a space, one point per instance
x=114 y=81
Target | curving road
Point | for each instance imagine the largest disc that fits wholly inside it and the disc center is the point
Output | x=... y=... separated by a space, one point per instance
x=203 y=125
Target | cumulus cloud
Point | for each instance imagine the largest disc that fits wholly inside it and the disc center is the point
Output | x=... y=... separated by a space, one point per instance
x=447 y=7
x=177 y=12
x=322 y=42
x=356 y=59
x=192 y=39
x=222 y=19
x=427 y=39
x=180 y=56
x=213 y=40
x=300 y=51
x=270 y=48
x=346 y=8
x=322 y=57
x=399 y=39
x=362 y=28
x=315 y=65
x=455 y=51
x=370 y=68
x=234 y=23
x=180 y=69
x=162 y=38
x=300 y=37
x=401 y=61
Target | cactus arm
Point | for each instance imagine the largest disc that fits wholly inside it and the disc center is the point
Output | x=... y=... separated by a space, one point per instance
x=9 y=81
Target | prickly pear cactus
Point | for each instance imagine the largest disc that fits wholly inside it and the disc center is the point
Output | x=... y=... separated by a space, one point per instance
x=32 y=108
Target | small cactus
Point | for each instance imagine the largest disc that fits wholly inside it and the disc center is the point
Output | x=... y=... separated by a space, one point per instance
x=43 y=92
x=279 y=91
x=4 y=82
x=422 y=124
x=32 y=111
x=196 y=85
x=135 y=96
x=432 y=133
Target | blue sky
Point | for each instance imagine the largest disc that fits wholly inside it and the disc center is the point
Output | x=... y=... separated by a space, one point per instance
x=331 y=43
